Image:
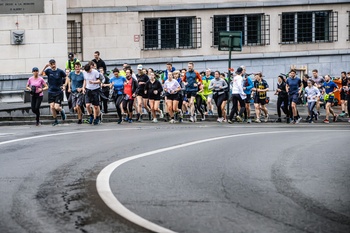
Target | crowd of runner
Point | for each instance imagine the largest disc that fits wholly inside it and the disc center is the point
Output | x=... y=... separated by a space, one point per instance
x=171 y=94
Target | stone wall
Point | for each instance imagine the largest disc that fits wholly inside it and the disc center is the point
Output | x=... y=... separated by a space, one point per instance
x=45 y=38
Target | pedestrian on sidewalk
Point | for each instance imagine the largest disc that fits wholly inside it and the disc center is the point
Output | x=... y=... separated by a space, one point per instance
x=36 y=85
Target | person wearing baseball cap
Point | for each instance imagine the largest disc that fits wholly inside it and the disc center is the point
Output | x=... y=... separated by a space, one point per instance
x=142 y=98
x=55 y=78
x=70 y=63
x=36 y=85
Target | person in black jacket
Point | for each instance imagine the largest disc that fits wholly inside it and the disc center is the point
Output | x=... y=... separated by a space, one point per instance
x=282 y=100
x=130 y=90
x=153 y=90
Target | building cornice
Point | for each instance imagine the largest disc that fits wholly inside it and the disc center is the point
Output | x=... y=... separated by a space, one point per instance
x=211 y=6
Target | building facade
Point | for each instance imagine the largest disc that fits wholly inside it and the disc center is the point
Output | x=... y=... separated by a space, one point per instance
x=275 y=34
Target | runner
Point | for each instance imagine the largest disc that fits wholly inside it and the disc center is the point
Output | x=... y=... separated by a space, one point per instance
x=118 y=83
x=312 y=93
x=260 y=88
x=344 y=102
x=282 y=99
x=177 y=77
x=75 y=87
x=218 y=86
x=36 y=85
x=319 y=80
x=171 y=88
x=294 y=88
x=328 y=88
x=247 y=88
x=55 y=77
x=191 y=83
x=130 y=90
x=141 y=96
x=105 y=88
x=226 y=97
x=347 y=90
x=238 y=96
x=154 y=89
x=91 y=89
x=206 y=79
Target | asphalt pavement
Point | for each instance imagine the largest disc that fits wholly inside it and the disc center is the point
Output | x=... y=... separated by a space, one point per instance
x=243 y=178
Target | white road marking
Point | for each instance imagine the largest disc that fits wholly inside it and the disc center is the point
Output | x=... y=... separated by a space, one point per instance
x=105 y=192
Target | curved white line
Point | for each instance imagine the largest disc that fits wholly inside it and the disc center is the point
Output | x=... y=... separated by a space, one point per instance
x=105 y=192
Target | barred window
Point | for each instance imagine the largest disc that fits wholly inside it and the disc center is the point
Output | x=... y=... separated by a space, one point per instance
x=309 y=27
x=255 y=28
x=349 y=26
x=74 y=30
x=172 y=33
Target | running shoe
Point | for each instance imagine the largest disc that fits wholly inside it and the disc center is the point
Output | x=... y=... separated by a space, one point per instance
x=119 y=121
x=126 y=118
x=191 y=119
x=38 y=123
x=239 y=119
x=279 y=120
x=288 y=120
x=267 y=118
x=307 y=118
x=220 y=119
x=257 y=120
x=101 y=117
x=195 y=117
x=229 y=121
x=91 y=119
x=311 y=122
x=55 y=123
x=63 y=114
x=140 y=119
x=335 y=118
x=298 y=120
x=349 y=120
x=210 y=112
x=80 y=122
x=203 y=118
x=316 y=117
x=96 y=121
x=294 y=122
x=343 y=114
x=326 y=121
x=161 y=115
x=172 y=121
x=249 y=121
x=130 y=120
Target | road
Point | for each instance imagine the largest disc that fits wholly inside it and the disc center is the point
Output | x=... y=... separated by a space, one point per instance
x=243 y=178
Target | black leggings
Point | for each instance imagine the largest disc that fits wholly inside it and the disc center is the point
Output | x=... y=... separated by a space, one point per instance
x=281 y=100
x=218 y=99
x=127 y=105
x=118 y=99
x=104 y=102
x=235 y=99
x=199 y=102
x=181 y=100
x=35 y=104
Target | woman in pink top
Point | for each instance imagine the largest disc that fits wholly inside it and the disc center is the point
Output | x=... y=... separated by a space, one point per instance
x=36 y=85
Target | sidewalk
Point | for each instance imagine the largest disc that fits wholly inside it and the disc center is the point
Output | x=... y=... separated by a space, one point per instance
x=21 y=114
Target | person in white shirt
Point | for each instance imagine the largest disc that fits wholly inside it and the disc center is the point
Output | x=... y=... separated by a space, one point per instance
x=238 y=96
x=171 y=88
x=91 y=89
x=312 y=94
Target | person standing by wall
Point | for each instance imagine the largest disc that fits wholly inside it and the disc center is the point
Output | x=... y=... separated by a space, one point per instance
x=36 y=85
x=99 y=62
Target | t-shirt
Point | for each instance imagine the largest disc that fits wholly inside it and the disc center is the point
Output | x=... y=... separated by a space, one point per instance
x=261 y=85
x=118 y=84
x=77 y=80
x=329 y=86
x=293 y=85
x=142 y=78
x=38 y=82
x=55 y=80
x=94 y=75
x=128 y=88
x=311 y=93
x=171 y=85
x=206 y=82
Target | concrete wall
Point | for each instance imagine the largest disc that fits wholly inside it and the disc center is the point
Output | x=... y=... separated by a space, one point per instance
x=45 y=38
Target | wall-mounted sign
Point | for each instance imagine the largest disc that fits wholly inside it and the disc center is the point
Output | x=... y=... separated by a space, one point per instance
x=136 y=38
x=21 y=6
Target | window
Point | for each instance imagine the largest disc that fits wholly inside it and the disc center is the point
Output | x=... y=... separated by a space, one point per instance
x=172 y=33
x=309 y=27
x=349 y=26
x=74 y=37
x=255 y=28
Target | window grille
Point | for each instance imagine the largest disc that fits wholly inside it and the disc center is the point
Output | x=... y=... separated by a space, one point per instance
x=74 y=36
x=255 y=28
x=171 y=33
x=309 y=27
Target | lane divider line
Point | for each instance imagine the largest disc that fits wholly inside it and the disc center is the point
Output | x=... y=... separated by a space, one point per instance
x=105 y=191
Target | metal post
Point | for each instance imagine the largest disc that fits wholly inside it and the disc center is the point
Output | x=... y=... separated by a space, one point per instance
x=229 y=75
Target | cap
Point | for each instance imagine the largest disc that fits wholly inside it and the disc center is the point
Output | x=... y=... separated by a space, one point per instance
x=139 y=67
x=239 y=70
x=52 y=61
x=70 y=55
x=35 y=69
